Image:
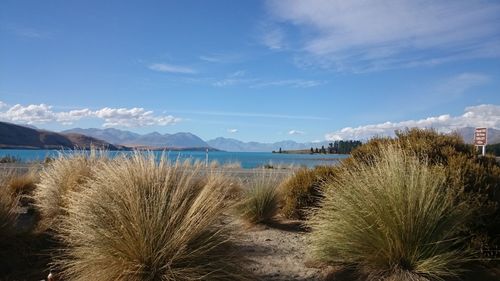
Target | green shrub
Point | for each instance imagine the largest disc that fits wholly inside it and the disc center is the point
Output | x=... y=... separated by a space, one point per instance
x=259 y=203
x=473 y=177
x=303 y=190
x=392 y=218
x=140 y=218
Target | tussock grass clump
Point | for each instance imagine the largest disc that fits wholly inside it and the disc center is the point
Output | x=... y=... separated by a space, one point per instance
x=9 y=204
x=303 y=190
x=144 y=219
x=260 y=200
x=473 y=177
x=58 y=179
x=23 y=185
x=392 y=218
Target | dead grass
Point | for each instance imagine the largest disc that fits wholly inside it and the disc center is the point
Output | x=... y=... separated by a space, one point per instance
x=142 y=219
x=58 y=179
x=259 y=203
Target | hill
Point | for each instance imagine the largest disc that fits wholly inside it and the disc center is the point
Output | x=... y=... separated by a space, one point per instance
x=155 y=139
x=19 y=137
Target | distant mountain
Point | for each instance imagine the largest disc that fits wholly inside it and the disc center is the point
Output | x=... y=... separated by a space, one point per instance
x=467 y=134
x=155 y=139
x=21 y=137
x=229 y=144
x=110 y=135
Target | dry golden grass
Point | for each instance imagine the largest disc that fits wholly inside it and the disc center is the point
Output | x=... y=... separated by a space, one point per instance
x=23 y=185
x=144 y=219
x=392 y=218
x=58 y=179
x=9 y=204
x=303 y=190
x=260 y=199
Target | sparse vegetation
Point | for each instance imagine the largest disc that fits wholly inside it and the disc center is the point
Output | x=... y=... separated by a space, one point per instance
x=260 y=198
x=392 y=218
x=303 y=190
x=9 y=159
x=141 y=219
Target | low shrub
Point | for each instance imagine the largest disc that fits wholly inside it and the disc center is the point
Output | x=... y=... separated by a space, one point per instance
x=64 y=174
x=473 y=177
x=393 y=219
x=144 y=219
x=9 y=204
x=303 y=190
x=259 y=203
x=23 y=185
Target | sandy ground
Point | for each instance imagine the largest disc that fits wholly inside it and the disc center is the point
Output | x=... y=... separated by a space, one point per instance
x=278 y=252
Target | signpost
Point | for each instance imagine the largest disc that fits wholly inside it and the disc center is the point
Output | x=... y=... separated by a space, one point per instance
x=481 y=138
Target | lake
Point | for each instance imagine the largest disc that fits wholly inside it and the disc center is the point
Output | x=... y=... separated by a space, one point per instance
x=248 y=160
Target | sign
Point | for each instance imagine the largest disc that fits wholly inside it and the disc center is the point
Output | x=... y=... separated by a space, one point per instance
x=480 y=137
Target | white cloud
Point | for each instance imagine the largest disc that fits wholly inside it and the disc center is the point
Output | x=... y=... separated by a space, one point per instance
x=273 y=37
x=294 y=83
x=30 y=114
x=210 y=58
x=25 y=32
x=232 y=131
x=240 y=77
x=459 y=84
x=295 y=132
x=163 y=67
x=360 y=35
x=119 y=117
x=486 y=115
x=2 y=104
x=133 y=117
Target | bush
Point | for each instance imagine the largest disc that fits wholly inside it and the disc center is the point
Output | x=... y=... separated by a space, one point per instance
x=23 y=185
x=473 y=177
x=260 y=198
x=303 y=190
x=392 y=218
x=64 y=174
x=144 y=219
x=9 y=204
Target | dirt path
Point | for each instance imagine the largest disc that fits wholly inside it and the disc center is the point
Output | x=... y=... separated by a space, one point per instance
x=278 y=252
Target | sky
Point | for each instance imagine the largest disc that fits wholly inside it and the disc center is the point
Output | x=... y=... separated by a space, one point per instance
x=251 y=70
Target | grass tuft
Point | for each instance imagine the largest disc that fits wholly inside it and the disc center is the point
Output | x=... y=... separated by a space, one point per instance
x=392 y=218
x=58 y=179
x=9 y=204
x=303 y=190
x=141 y=218
x=260 y=200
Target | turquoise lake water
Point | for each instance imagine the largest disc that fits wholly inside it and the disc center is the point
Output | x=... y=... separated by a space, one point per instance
x=248 y=160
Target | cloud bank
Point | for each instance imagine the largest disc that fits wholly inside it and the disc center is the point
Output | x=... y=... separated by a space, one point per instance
x=111 y=117
x=360 y=35
x=485 y=115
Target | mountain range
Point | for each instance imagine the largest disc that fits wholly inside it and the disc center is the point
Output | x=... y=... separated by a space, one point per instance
x=16 y=136
x=130 y=139
x=20 y=137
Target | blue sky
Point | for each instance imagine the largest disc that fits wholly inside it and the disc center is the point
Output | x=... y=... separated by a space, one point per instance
x=251 y=70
